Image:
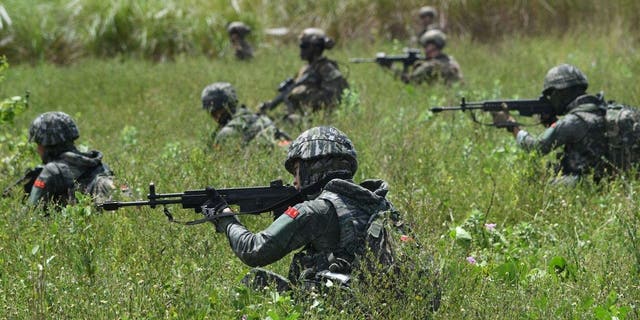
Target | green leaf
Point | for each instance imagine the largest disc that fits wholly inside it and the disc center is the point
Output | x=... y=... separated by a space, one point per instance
x=507 y=271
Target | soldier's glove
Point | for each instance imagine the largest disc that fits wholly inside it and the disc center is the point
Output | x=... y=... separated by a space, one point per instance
x=213 y=207
x=502 y=119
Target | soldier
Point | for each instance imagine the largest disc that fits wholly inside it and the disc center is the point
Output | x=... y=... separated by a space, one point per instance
x=323 y=162
x=221 y=101
x=428 y=16
x=581 y=132
x=237 y=32
x=65 y=169
x=438 y=66
x=319 y=84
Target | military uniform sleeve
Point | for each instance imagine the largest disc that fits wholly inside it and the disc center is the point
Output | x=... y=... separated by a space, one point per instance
x=323 y=88
x=567 y=130
x=50 y=182
x=295 y=228
x=227 y=134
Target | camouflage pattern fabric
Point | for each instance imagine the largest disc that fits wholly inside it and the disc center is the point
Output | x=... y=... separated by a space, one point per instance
x=245 y=127
x=242 y=49
x=53 y=128
x=442 y=68
x=322 y=90
x=321 y=142
x=313 y=224
x=219 y=95
x=581 y=133
x=564 y=76
x=237 y=32
x=72 y=171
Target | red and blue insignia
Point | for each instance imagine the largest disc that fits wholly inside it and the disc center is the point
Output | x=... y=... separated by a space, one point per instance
x=39 y=184
x=292 y=212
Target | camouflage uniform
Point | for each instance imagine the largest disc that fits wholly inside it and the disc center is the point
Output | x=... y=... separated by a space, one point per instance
x=431 y=12
x=237 y=124
x=238 y=31
x=582 y=134
x=66 y=169
x=439 y=68
x=323 y=87
x=247 y=126
x=328 y=226
x=320 y=82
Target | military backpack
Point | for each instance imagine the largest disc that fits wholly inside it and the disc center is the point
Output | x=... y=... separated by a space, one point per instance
x=623 y=135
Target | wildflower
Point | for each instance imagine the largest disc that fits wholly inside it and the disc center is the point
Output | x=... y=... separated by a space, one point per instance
x=490 y=226
x=471 y=260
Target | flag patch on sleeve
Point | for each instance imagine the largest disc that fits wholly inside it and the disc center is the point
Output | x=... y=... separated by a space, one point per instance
x=292 y=212
x=39 y=184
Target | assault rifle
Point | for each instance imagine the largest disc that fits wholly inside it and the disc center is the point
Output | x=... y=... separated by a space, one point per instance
x=284 y=89
x=28 y=179
x=407 y=59
x=527 y=108
x=251 y=200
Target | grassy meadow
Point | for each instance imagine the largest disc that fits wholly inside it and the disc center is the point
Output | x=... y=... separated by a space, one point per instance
x=553 y=253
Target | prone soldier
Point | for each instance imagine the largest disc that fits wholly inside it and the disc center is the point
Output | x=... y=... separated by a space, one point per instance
x=221 y=101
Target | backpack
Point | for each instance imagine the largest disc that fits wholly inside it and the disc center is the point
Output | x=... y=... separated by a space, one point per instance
x=623 y=135
x=388 y=242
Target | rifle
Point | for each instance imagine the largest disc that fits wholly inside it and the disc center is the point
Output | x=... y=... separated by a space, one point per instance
x=527 y=108
x=284 y=89
x=408 y=59
x=29 y=177
x=251 y=200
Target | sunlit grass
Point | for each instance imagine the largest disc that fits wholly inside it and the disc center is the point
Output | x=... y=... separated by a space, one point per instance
x=553 y=252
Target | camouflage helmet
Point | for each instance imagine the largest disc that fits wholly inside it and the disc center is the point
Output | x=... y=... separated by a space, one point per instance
x=564 y=76
x=239 y=28
x=219 y=95
x=428 y=11
x=316 y=36
x=320 y=142
x=53 y=128
x=437 y=37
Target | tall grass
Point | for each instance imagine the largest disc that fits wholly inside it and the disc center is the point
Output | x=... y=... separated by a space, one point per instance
x=63 y=31
x=553 y=253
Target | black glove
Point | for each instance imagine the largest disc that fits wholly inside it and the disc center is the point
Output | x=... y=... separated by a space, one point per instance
x=214 y=204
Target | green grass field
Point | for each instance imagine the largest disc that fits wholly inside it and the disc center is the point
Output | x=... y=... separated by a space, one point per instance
x=555 y=253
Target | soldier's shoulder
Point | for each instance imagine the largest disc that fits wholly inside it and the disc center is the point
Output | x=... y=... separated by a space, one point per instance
x=314 y=207
x=329 y=69
x=54 y=168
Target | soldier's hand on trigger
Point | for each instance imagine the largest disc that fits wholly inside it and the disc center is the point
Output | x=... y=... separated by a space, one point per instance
x=502 y=119
x=214 y=206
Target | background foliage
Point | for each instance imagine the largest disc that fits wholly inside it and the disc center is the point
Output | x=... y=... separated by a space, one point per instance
x=62 y=31
x=508 y=244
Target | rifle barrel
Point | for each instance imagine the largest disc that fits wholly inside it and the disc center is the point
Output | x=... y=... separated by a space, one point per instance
x=362 y=60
